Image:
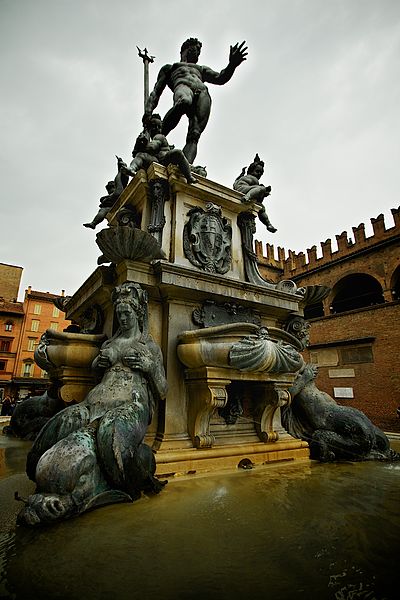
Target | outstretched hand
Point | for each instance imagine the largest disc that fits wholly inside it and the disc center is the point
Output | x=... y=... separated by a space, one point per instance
x=237 y=54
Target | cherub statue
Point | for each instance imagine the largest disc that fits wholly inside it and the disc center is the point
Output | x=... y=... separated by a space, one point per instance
x=152 y=146
x=254 y=191
x=114 y=189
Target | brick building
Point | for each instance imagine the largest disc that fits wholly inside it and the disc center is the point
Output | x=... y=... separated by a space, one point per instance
x=11 y=320
x=355 y=332
x=21 y=326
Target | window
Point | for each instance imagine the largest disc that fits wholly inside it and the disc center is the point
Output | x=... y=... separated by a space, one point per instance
x=43 y=374
x=35 y=325
x=356 y=291
x=8 y=326
x=3 y=364
x=27 y=370
x=54 y=326
x=313 y=311
x=37 y=309
x=56 y=312
x=5 y=345
x=31 y=344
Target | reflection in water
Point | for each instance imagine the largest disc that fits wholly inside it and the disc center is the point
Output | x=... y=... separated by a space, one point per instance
x=290 y=531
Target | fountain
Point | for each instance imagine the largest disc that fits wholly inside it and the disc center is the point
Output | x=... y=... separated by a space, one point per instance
x=186 y=360
x=184 y=364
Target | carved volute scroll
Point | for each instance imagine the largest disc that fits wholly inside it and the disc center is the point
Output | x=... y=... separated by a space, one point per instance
x=206 y=396
x=300 y=329
x=267 y=411
x=159 y=194
x=207 y=239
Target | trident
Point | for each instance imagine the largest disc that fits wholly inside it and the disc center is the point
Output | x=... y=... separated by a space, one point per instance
x=146 y=61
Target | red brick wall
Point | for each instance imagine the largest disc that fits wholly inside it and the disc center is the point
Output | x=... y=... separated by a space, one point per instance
x=376 y=385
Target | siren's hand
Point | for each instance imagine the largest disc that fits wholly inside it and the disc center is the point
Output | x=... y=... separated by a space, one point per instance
x=139 y=359
x=103 y=360
x=237 y=54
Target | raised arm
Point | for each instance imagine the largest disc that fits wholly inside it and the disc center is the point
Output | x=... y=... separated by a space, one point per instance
x=237 y=55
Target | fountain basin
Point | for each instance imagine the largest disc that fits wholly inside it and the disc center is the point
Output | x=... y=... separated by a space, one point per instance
x=243 y=346
x=68 y=357
x=64 y=349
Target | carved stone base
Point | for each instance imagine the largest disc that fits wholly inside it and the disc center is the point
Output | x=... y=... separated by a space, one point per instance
x=207 y=392
x=271 y=397
x=218 y=458
x=75 y=383
x=205 y=397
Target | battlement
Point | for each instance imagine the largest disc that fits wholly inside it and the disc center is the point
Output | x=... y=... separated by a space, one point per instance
x=294 y=263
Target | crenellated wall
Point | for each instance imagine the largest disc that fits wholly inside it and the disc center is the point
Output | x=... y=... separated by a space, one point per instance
x=355 y=343
x=296 y=264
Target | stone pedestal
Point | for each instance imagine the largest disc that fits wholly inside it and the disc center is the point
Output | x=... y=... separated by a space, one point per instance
x=201 y=280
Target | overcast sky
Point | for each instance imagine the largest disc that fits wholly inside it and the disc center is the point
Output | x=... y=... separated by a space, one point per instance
x=318 y=99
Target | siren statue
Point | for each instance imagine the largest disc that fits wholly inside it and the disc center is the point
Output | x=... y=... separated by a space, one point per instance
x=93 y=453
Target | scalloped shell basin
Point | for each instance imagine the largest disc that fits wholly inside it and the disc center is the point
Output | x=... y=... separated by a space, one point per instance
x=210 y=347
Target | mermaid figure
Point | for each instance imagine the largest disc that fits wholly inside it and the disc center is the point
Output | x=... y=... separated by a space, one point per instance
x=93 y=453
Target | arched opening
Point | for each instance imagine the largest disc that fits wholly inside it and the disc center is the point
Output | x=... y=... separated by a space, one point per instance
x=314 y=311
x=356 y=291
x=395 y=284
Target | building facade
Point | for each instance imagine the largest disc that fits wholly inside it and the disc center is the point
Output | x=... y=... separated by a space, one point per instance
x=21 y=326
x=11 y=320
x=355 y=332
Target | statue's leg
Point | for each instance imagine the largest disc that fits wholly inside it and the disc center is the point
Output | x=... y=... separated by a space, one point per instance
x=256 y=193
x=101 y=215
x=198 y=119
x=121 y=432
x=58 y=427
x=136 y=164
x=183 y=99
x=262 y=215
x=176 y=157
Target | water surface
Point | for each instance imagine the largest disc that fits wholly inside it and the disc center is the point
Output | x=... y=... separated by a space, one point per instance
x=280 y=531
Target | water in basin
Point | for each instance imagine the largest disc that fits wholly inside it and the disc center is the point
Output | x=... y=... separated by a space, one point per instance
x=305 y=530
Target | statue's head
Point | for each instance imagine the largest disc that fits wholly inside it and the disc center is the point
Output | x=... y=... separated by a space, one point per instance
x=130 y=301
x=256 y=168
x=154 y=124
x=190 y=50
x=110 y=187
